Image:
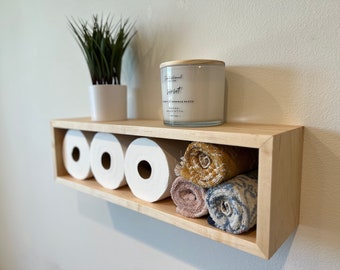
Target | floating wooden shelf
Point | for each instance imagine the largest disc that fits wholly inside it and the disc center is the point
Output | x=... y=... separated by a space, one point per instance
x=280 y=158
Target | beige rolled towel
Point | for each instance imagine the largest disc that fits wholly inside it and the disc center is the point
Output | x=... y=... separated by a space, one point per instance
x=189 y=198
x=207 y=165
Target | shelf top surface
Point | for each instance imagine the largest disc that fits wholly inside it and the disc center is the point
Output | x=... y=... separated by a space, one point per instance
x=243 y=134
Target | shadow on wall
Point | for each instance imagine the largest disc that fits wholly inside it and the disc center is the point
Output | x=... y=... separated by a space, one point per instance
x=319 y=222
x=148 y=50
x=318 y=234
x=320 y=180
x=256 y=94
x=270 y=95
x=199 y=252
x=192 y=249
x=260 y=94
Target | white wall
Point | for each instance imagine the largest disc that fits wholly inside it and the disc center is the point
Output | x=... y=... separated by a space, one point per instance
x=282 y=62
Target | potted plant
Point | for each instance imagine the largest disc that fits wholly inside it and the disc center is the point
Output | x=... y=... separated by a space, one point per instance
x=103 y=44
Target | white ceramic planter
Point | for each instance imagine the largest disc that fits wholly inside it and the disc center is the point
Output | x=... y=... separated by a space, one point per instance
x=108 y=102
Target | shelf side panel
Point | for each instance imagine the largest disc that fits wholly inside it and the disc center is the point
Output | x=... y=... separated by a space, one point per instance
x=264 y=196
x=279 y=192
x=286 y=186
x=57 y=145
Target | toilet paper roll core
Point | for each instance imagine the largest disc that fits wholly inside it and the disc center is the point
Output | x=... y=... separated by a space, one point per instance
x=106 y=160
x=144 y=169
x=75 y=154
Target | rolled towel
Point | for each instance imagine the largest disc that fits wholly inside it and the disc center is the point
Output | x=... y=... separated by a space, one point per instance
x=232 y=205
x=189 y=198
x=208 y=165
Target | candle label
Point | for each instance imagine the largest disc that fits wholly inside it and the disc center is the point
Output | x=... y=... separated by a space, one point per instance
x=192 y=93
x=175 y=96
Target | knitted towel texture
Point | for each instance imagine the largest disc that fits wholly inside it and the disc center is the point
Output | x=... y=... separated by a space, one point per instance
x=189 y=198
x=208 y=165
x=232 y=205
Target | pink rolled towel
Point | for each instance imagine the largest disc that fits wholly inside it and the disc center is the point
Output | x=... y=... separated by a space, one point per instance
x=189 y=198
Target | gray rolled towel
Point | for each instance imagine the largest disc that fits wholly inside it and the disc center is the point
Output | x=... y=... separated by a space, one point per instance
x=232 y=205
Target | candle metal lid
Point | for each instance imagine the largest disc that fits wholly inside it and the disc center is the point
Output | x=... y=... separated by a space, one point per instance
x=192 y=62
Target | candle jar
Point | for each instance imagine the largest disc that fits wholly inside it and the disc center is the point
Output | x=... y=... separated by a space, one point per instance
x=193 y=92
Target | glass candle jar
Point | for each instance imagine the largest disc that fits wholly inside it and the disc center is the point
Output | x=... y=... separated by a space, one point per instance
x=193 y=92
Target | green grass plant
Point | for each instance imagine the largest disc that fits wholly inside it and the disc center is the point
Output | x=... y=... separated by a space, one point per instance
x=103 y=44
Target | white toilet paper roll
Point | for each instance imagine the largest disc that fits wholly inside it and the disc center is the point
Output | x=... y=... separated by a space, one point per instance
x=149 y=167
x=76 y=153
x=107 y=155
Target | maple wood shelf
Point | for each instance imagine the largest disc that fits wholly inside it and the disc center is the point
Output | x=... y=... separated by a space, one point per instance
x=279 y=179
